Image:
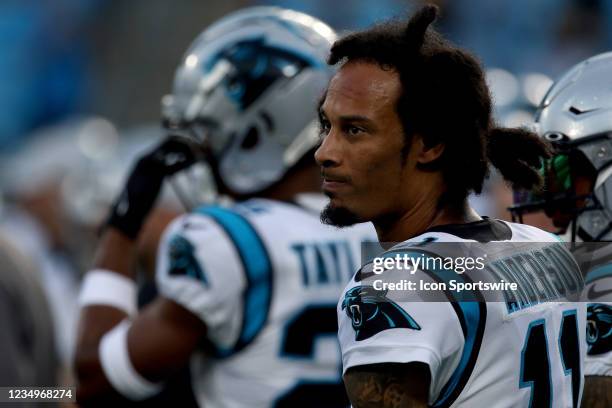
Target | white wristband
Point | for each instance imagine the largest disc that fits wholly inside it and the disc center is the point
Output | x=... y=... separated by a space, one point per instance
x=108 y=288
x=118 y=369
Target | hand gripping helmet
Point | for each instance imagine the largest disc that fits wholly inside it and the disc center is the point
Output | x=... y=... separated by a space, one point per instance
x=576 y=116
x=247 y=88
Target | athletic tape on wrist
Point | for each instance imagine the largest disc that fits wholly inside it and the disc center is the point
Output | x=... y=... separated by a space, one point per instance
x=118 y=368
x=108 y=288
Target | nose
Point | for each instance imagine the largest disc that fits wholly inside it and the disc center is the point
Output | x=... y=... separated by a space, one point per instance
x=329 y=153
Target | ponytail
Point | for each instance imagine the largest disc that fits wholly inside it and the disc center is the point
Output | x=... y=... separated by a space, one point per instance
x=392 y=43
x=517 y=154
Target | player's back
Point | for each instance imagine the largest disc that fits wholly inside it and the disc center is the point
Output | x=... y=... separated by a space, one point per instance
x=521 y=347
x=265 y=278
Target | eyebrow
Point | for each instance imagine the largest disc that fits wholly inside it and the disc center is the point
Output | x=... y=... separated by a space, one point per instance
x=355 y=118
x=349 y=118
x=345 y=119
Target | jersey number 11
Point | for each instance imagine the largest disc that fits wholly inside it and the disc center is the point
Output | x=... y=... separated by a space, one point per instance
x=535 y=360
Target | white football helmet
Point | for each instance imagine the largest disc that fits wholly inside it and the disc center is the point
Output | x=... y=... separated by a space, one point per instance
x=576 y=116
x=248 y=88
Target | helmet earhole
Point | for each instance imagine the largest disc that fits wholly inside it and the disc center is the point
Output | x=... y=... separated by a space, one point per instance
x=250 y=140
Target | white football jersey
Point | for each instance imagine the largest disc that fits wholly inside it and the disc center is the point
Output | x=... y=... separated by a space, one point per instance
x=265 y=277
x=526 y=349
x=598 y=295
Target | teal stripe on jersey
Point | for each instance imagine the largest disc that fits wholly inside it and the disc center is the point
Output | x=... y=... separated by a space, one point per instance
x=598 y=273
x=257 y=267
x=471 y=312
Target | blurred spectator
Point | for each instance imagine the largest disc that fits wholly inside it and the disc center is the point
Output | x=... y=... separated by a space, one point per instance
x=57 y=190
x=27 y=347
x=39 y=219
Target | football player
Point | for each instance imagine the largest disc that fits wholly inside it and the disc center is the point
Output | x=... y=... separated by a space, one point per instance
x=407 y=133
x=247 y=291
x=575 y=116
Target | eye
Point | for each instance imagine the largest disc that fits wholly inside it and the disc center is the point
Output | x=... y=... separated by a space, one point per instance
x=354 y=130
x=324 y=127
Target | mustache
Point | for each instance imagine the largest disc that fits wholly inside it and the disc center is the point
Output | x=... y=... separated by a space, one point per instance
x=335 y=177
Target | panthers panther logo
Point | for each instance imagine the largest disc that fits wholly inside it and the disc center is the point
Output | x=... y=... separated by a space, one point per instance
x=371 y=312
x=258 y=66
x=599 y=328
x=182 y=260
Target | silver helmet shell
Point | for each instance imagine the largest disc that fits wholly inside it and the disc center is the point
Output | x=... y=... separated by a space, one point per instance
x=248 y=87
x=577 y=113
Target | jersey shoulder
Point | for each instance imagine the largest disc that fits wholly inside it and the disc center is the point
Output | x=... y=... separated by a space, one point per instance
x=203 y=264
x=193 y=240
x=529 y=233
x=378 y=326
x=484 y=231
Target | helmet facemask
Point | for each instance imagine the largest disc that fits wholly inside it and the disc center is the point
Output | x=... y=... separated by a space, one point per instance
x=573 y=190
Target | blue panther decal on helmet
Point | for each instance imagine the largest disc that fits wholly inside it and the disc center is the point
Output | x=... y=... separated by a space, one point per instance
x=371 y=312
x=257 y=66
x=599 y=328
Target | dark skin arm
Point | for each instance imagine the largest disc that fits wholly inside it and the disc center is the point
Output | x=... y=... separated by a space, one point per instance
x=163 y=329
x=597 y=392
x=388 y=385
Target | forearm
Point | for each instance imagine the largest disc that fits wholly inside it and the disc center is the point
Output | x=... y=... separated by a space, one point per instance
x=116 y=253
x=597 y=392
x=387 y=386
x=374 y=393
x=108 y=295
x=159 y=342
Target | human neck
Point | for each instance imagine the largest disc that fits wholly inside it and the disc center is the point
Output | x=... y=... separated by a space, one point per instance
x=421 y=217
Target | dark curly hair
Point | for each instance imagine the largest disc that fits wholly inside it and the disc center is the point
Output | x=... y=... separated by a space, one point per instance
x=445 y=99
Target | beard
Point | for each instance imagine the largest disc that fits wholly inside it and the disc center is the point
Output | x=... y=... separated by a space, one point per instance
x=338 y=216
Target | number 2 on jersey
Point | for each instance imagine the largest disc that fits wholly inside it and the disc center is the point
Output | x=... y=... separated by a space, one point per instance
x=301 y=334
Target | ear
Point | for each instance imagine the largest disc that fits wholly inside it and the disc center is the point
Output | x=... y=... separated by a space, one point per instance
x=427 y=154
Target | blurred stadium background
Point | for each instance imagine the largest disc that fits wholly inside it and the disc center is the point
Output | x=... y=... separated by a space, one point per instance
x=80 y=86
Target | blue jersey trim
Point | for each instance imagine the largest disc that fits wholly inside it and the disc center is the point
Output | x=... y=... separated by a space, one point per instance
x=258 y=271
x=471 y=311
x=471 y=314
x=598 y=273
